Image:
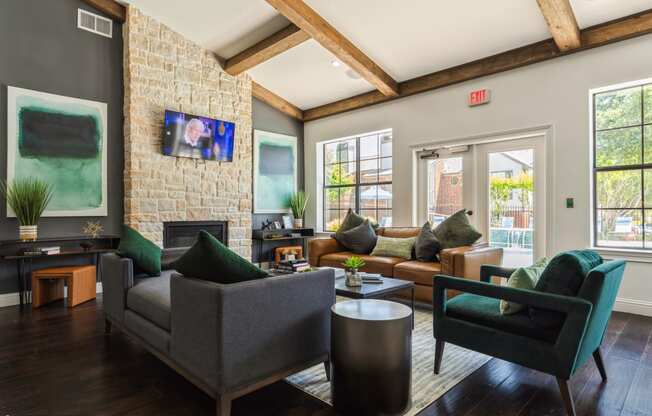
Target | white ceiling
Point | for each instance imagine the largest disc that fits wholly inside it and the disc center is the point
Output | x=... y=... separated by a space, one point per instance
x=407 y=39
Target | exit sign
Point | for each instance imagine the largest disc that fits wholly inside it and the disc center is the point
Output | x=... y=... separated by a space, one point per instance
x=479 y=97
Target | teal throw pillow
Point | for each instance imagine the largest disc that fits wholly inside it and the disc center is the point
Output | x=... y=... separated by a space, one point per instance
x=394 y=247
x=564 y=275
x=522 y=278
x=209 y=259
x=456 y=231
x=145 y=254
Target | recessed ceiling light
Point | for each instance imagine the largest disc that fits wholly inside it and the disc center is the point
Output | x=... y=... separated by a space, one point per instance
x=336 y=63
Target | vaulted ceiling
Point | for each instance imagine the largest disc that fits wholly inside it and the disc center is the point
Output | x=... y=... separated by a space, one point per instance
x=405 y=39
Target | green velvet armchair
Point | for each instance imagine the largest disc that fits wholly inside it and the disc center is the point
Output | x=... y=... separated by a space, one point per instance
x=472 y=320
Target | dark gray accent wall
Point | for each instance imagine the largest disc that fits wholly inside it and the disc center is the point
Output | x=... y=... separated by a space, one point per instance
x=42 y=49
x=270 y=119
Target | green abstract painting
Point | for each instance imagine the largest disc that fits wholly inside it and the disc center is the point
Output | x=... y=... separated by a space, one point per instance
x=275 y=171
x=61 y=140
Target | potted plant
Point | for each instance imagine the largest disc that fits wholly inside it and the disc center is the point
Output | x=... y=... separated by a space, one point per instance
x=352 y=264
x=27 y=198
x=298 y=203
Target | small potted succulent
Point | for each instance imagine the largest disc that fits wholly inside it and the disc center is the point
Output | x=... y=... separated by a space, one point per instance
x=27 y=198
x=298 y=204
x=352 y=264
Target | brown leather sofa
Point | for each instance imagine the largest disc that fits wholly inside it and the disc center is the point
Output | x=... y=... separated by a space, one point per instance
x=459 y=261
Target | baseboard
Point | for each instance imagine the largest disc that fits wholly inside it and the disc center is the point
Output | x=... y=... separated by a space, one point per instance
x=637 y=307
x=12 y=299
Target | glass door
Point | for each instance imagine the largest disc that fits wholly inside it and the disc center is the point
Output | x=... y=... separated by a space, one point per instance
x=512 y=203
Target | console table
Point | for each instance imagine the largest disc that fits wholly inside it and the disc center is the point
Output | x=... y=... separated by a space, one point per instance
x=267 y=238
x=13 y=250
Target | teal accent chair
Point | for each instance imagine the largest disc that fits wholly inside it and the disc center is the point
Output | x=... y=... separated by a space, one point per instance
x=472 y=320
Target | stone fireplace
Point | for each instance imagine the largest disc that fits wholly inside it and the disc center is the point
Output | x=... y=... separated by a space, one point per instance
x=163 y=70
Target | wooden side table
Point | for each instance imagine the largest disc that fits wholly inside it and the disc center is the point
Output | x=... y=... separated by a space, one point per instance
x=47 y=285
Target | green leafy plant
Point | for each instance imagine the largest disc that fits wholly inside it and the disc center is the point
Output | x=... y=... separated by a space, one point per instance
x=353 y=262
x=28 y=198
x=298 y=203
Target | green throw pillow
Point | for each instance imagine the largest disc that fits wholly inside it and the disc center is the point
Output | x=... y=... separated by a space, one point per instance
x=522 y=278
x=394 y=247
x=350 y=221
x=564 y=275
x=209 y=259
x=456 y=231
x=145 y=254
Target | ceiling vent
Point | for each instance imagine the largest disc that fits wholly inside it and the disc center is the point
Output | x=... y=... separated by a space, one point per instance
x=94 y=23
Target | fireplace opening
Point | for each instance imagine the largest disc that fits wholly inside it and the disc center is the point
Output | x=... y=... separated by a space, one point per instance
x=184 y=233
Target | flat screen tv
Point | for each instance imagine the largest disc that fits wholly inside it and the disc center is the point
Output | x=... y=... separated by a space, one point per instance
x=187 y=135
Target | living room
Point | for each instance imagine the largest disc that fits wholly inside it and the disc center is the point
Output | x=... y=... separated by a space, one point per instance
x=298 y=207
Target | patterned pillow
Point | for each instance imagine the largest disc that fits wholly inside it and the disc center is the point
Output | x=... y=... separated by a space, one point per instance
x=394 y=247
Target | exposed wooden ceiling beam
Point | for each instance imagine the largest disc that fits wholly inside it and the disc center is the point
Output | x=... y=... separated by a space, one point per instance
x=614 y=31
x=268 y=97
x=114 y=10
x=266 y=49
x=319 y=29
x=562 y=23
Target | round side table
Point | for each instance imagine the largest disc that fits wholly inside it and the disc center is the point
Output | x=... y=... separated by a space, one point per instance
x=371 y=357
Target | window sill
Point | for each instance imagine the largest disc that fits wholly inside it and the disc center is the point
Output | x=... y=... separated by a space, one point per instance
x=611 y=253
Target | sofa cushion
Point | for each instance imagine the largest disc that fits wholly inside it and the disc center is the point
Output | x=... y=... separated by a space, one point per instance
x=398 y=232
x=394 y=247
x=417 y=271
x=209 y=259
x=360 y=239
x=150 y=298
x=564 y=276
x=427 y=245
x=382 y=265
x=456 y=231
x=486 y=311
x=145 y=254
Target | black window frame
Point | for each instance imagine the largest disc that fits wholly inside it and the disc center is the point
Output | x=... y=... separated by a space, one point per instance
x=640 y=167
x=358 y=184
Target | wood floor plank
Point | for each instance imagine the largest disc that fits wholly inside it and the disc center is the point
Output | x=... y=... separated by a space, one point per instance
x=632 y=341
x=639 y=398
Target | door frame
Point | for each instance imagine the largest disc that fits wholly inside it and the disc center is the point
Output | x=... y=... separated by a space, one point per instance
x=544 y=131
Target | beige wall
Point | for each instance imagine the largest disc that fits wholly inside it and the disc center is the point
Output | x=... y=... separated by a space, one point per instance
x=551 y=93
x=163 y=70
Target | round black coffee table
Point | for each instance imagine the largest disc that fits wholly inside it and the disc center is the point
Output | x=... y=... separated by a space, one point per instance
x=371 y=357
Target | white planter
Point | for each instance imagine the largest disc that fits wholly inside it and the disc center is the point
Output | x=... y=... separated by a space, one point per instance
x=28 y=232
x=298 y=223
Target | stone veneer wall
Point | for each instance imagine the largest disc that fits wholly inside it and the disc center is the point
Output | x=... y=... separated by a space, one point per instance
x=163 y=70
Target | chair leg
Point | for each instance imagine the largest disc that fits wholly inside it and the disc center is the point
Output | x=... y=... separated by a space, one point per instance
x=222 y=406
x=597 y=356
x=327 y=369
x=566 y=396
x=439 y=353
x=107 y=326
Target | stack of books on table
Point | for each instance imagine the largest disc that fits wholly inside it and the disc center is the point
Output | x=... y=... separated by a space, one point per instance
x=371 y=278
x=50 y=250
x=293 y=266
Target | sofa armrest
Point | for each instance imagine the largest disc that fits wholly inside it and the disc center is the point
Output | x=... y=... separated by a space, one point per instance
x=466 y=261
x=321 y=246
x=577 y=310
x=233 y=335
x=117 y=278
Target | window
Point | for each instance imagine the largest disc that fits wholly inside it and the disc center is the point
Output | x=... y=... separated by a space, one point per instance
x=358 y=175
x=622 y=167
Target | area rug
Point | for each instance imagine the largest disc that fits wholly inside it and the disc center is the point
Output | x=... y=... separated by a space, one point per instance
x=457 y=364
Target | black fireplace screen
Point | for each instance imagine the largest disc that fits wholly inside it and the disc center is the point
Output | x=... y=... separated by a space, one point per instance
x=184 y=233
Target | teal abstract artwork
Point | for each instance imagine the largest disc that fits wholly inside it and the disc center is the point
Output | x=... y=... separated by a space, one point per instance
x=275 y=171
x=61 y=140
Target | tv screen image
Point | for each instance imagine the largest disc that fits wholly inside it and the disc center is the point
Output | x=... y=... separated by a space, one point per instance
x=188 y=135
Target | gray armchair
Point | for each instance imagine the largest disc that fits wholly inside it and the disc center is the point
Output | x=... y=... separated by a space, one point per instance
x=226 y=339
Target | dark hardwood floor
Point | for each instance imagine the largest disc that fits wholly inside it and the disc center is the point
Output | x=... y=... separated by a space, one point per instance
x=55 y=361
